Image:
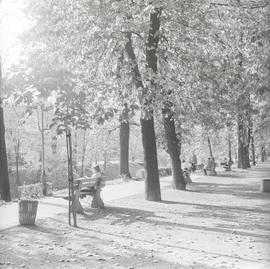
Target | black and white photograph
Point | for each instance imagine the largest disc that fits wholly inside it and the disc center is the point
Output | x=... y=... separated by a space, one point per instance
x=134 y=134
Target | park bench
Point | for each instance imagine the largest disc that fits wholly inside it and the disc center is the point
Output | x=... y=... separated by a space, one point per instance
x=199 y=166
x=226 y=166
x=91 y=186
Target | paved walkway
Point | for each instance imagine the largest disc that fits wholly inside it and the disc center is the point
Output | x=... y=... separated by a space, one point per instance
x=219 y=222
x=51 y=206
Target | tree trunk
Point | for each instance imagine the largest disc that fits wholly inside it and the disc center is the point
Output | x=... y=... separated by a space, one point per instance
x=242 y=144
x=253 y=154
x=4 y=177
x=43 y=173
x=152 y=185
x=17 y=152
x=210 y=147
x=83 y=153
x=124 y=149
x=173 y=149
x=235 y=155
x=247 y=145
x=262 y=151
x=253 y=151
x=229 y=151
x=147 y=122
x=124 y=142
x=105 y=159
x=75 y=150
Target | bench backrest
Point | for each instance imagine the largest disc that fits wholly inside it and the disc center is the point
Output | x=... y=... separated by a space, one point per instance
x=88 y=181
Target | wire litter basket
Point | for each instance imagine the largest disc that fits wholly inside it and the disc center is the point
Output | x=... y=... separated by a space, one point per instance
x=27 y=212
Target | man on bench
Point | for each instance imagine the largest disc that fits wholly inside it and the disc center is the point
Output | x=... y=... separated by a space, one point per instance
x=90 y=186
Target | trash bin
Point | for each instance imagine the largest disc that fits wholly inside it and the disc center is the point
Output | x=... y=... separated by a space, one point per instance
x=265 y=185
x=27 y=211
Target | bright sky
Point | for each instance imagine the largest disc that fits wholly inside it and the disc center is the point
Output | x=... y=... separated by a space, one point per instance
x=12 y=23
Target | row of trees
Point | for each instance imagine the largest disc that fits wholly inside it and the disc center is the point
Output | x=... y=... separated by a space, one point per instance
x=177 y=64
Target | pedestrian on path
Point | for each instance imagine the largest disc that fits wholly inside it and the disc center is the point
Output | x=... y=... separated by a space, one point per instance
x=193 y=161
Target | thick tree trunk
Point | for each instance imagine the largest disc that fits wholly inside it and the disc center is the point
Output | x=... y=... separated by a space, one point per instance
x=124 y=149
x=4 y=178
x=124 y=142
x=247 y=156
x=152 y=185
x=210 y=147
x=147 y=123
x=173 y=149
x=243 y=147
x=152 y=189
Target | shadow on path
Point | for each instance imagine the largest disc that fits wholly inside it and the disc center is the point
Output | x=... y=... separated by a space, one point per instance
x=128 y=216
x=248 y=191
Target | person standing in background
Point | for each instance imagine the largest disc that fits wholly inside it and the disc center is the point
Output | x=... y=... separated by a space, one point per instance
x=193 y=161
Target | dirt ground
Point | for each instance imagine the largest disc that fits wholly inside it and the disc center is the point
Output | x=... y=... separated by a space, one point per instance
x=220 y=222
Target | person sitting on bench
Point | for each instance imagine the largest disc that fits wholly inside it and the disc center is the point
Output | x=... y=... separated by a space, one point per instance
x=95 y=189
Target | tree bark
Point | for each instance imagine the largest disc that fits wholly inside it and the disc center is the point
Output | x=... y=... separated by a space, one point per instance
x=243 y=147
x=4 y=177
x=152 y=184
x=147 y=122
x=210 y=147
x=173 y=149
x=124 y=143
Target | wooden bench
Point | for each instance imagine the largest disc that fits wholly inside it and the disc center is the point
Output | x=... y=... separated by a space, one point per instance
x=226 y=166
x=91 y=186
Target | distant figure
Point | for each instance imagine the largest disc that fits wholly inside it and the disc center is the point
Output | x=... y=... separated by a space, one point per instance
x=193 y=161
x=207 y=166
x=210 y=166
x=186 y=171
x=97 y=171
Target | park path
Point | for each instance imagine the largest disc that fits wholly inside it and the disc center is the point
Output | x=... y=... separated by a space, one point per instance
x=219 y=222
x=51 y=206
